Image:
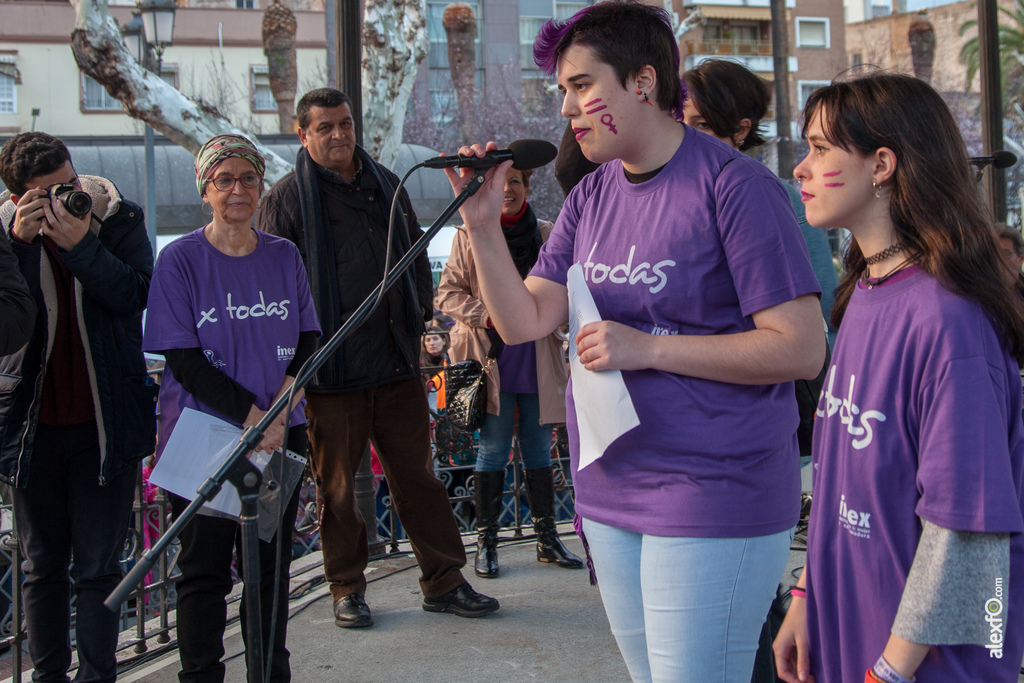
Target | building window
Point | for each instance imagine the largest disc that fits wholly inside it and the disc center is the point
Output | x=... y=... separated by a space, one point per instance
x=564 y=10
x=96 y=98
x=169 y=74
x=812 y=32
x=245 y=4
x=856 y=59
x=262 y=95
x=805 y=88
x=8 y=95
x=10 y=77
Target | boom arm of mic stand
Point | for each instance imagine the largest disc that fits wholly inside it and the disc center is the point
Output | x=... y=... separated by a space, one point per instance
x=252 y=436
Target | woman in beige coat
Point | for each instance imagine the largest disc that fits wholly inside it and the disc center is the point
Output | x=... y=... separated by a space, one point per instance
x=531 y=377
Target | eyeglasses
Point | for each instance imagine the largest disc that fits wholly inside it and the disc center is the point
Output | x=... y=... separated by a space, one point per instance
x=224 y=183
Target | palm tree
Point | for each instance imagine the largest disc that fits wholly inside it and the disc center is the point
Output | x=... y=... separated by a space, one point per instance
x=1011 y=51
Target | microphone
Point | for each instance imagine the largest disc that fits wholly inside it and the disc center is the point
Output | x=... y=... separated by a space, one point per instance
x=525 y=154
x=998 y=159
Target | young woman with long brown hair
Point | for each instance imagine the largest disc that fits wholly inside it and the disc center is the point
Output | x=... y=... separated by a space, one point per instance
x=915 y=555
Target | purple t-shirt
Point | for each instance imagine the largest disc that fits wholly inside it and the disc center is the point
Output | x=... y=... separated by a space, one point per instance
x=244 y=312
x=696 y=250
x=920 y=418
x=517 y=368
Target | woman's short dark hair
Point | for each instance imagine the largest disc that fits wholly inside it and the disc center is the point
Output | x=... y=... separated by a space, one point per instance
x=327 y=98
x=933 y=201
x=725 y=93
x=525 y=174
x=30 y=155
x=625 y=34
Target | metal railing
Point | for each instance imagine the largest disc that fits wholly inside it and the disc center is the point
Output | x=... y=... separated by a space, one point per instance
x=145 y=622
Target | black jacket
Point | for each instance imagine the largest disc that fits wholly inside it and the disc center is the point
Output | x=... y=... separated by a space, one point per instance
x=386 y=347
x=112 y=266
x=17 y=309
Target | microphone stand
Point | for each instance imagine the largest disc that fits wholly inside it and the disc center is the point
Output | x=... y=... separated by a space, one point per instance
x=246 y=478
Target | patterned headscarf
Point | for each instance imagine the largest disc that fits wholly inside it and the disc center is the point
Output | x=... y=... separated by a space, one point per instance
x=221 y=147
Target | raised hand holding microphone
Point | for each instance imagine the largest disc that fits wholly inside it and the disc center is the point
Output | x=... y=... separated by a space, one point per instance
x=482 y=211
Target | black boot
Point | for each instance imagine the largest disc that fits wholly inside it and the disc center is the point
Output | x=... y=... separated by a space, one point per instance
x=489 y=488
x=540 y=488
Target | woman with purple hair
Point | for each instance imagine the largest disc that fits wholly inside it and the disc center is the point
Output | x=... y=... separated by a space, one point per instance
x=709 y=310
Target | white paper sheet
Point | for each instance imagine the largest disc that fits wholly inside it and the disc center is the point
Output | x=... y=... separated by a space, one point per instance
x=604 y=410
x=197 y=447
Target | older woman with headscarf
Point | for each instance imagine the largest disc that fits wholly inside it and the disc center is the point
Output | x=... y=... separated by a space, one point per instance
x=230 y=310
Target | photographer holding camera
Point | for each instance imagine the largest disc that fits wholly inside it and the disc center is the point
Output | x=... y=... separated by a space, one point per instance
x=79 y=411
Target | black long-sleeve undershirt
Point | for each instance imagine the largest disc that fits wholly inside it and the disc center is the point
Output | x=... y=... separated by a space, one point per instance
x=213 y=388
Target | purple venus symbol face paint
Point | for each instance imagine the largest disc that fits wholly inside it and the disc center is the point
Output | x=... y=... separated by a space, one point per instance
x=607 y=120
x=832 y=174
x=595 y=109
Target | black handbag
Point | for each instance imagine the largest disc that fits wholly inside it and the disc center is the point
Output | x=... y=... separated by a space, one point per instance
x=465 y=390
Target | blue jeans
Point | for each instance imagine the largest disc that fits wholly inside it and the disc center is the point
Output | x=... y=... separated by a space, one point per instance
x=496 y=435
x=686 y=609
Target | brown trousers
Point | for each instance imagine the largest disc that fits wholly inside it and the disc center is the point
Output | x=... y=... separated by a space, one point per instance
x=394 y=417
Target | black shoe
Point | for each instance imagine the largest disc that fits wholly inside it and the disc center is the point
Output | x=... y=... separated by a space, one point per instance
x=488 y=489
x=540 y=488
x=463 y=601
x=351 y=611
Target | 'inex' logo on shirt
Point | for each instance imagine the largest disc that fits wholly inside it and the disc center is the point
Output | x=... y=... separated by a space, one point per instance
x=626 y=273
x=855 y=522
x=285 y=353
x=850 y=413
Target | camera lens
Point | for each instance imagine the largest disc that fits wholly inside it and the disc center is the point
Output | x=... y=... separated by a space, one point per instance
x=77 y=203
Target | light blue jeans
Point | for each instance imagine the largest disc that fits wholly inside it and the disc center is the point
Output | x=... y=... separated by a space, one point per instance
x=496 y=435
x=686 y=609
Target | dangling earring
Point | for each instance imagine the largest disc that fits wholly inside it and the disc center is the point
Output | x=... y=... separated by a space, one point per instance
x=640 y=92
x=878 y=190
x=204 y=210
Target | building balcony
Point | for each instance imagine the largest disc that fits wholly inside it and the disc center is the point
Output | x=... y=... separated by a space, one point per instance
x=756 y=55
x=733 y=3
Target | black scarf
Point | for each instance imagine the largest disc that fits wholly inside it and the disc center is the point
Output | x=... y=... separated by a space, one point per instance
x=523 y=241
x=319 y=241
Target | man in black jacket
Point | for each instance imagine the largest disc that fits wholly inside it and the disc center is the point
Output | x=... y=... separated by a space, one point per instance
x=80 y=412
x=334 y=207
x=17 y=310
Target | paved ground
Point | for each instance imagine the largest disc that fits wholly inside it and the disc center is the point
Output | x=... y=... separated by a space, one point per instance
x=551 y=626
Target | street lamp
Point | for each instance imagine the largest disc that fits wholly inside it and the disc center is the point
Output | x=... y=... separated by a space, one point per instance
x=133 y=37
x=158 y=25
x=149 y=32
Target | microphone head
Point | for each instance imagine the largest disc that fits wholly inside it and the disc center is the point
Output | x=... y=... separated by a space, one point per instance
x=1003 y=159
x=527 y=154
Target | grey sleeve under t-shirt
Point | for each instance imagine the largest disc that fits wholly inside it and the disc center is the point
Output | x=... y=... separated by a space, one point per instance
x=952 y=579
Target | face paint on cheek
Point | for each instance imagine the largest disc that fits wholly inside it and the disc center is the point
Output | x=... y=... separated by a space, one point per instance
x=832 y=174
x=607 y=120
x=592 y=102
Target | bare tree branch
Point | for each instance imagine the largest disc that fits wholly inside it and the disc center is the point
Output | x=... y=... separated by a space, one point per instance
x=100 y=52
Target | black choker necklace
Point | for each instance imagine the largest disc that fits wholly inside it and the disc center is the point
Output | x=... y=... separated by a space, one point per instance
x=871 y=283
x=884 y=254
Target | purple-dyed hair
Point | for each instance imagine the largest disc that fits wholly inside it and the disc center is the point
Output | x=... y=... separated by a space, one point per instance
x=625 y=34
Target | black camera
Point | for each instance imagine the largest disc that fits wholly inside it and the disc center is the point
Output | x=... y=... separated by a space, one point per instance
x=77 y=203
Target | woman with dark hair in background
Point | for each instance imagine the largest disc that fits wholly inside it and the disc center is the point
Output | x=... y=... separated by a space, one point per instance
x=728 y=101
x=709 y=310
x=528 y=379
x=915 y=563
